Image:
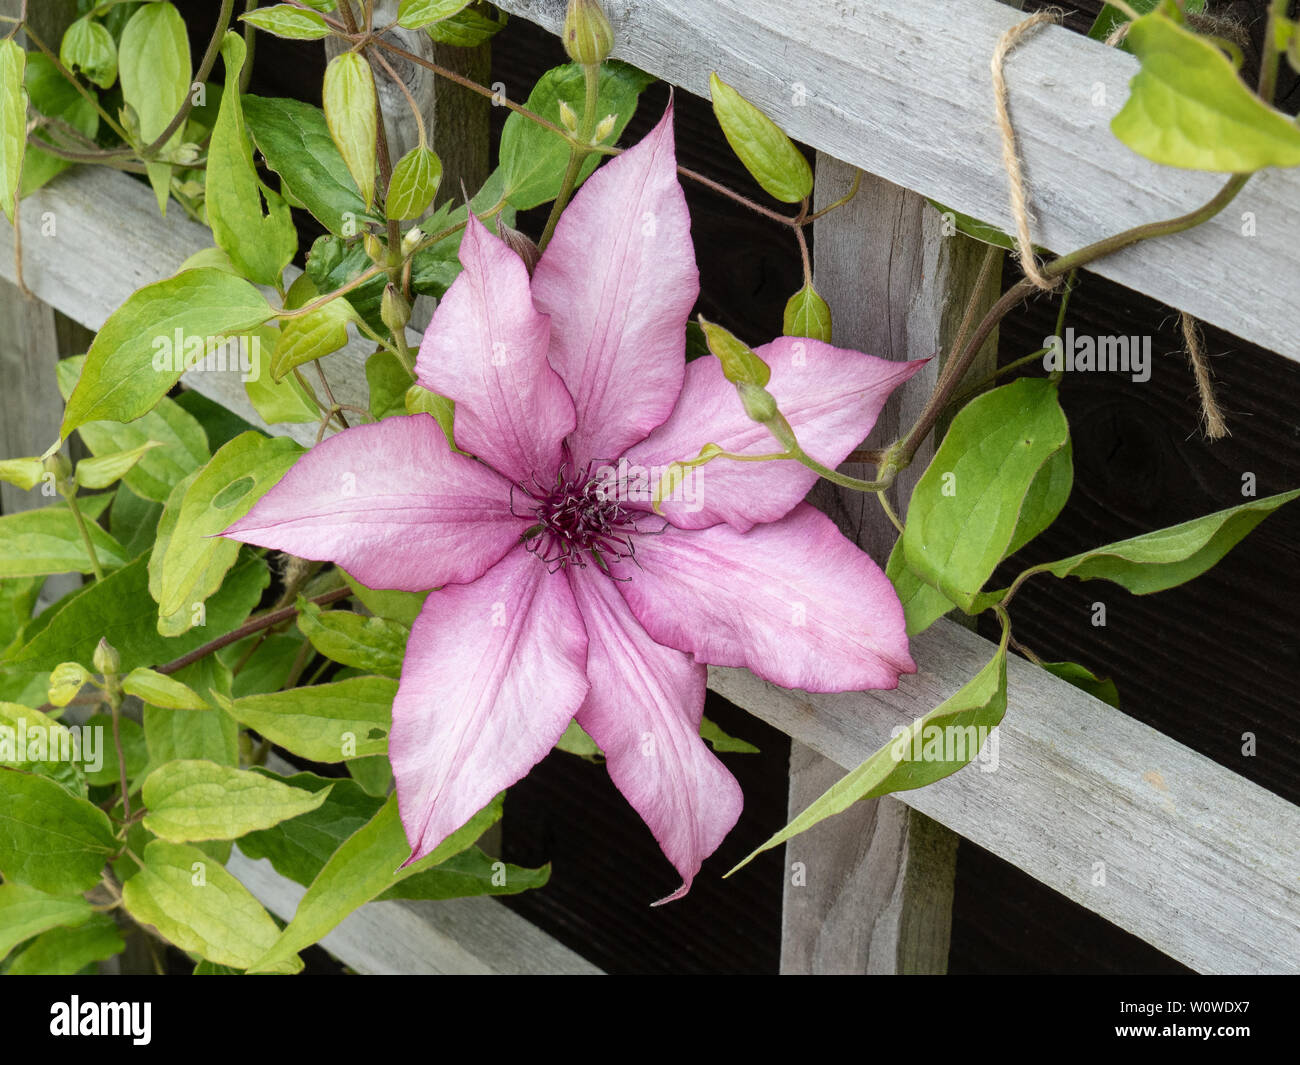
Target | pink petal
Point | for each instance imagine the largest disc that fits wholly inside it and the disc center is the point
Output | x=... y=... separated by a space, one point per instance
x=392 y=504
x=619 y=280
x=831 y=396
x=793 y=600
x=644 y=711
x=486 y=349
x=492 y=677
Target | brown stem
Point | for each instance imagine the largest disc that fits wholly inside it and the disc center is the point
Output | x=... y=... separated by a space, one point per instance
x=248 y=628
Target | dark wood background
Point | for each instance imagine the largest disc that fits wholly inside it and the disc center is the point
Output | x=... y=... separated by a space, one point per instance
x=1204 y=663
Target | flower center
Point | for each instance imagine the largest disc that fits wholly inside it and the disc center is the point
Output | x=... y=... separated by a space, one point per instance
x=580 y=519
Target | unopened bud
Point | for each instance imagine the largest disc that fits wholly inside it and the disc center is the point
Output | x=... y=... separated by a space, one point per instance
x=59 y=465
x=588 y=36
x=106 y=660
x=394 y=309
x=412 y=239
x=568 y=119
x=604 y=129
x=739 y=364
x=374 y=247
x=759 y=403
x=520 y=244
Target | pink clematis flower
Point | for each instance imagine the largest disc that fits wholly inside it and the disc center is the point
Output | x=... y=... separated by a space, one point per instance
x=561 y=595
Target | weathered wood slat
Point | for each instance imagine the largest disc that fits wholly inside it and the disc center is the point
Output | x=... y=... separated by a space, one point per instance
x=1197 y=861
x=453 y=937
x=902 y=89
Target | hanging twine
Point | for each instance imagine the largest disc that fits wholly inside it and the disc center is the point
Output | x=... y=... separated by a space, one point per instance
x=1010 y=155
x=1211 y=416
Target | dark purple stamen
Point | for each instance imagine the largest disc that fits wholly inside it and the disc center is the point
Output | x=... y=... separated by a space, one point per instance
x=578 y=519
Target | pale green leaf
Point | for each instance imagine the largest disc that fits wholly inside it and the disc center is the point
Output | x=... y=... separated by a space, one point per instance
x=284 y=20
x=89 y=47
x=373 y=645
x=768 y=154
x=807 y=315
x=414 y=184
x=13 y=123
x=260 y=242
x=326 y=722
x=156 y=689
x=27 y=912
x=351 y=112
x=197 y=800
x=196 y=904
x=36 y=542
x=1188 y=107
x=117 y=383
x=103 y=470
x=155 y=71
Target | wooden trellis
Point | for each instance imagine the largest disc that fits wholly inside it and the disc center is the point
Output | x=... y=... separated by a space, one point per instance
x=1207 y=867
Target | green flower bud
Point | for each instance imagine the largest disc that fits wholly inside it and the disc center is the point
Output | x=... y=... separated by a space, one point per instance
x=394 y=309
x=588 y=36
x=59 y=465
x=106 y=660
x=759 y=403
x=66 y=680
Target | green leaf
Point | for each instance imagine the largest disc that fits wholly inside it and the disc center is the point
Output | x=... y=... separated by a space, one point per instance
x=333 y=262
x=34 y=743
x=117 y=383
x=196 y=904
x=576 y=741
x=374 y=645
x=26 y=912
x=1188 y=108
x=50 y=839
x=190 y=560
x=121 y=604
x=269 y=666
x=807 y=315
x=373 y=773
x=973 y=227
x=210 y=735
x=468 y=28
x=1168 y=557
x=185 y=445
x=196 y=800
x=280 y=401
x=1111 y=17
x=929 y=749
x=54 y=96
x=1046 y=498
x=326 y=722
x=89 y=47
x=416 y=14
x=312 y=336
x=154 y=66
x=299 y=848
x=414 y=184
x=133 y=521
x=469 y=873
x=158 y=690
x=399 y=606
x=135 y=751
x=967 y=507
x=720 y=741
x=388 y=380
x=17 y=601
x=1082 y=677
x=923 y=605
x=13 y=123
x=104 y=470
x=36 y=542
x=768 y=154
x=295 y=139
x=284 y=20
x=533 y=159
x=66 y=951
x=260 y=243
x=26 y=473
x=351 y=112
x=361 y=869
